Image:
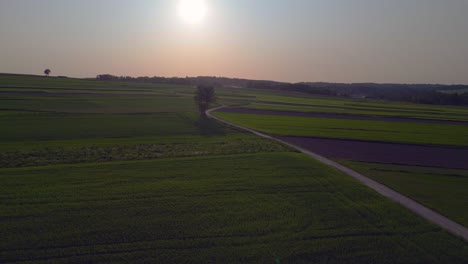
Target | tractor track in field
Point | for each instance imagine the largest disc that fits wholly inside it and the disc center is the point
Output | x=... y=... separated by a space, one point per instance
x=417 y=208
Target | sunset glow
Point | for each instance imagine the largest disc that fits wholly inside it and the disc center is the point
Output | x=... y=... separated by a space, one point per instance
x=192 y=11
x=294 y=41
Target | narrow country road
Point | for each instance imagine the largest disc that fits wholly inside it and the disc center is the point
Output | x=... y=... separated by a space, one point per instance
x=419 y=209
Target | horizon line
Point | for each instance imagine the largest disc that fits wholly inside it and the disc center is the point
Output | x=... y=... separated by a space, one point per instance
x=238 y=78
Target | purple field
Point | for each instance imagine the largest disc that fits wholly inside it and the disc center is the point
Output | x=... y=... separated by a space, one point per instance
x=390 y=153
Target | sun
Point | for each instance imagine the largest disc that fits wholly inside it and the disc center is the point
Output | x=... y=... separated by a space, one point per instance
x=192 y=11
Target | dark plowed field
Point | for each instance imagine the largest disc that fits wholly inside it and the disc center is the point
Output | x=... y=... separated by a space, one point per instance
x=414 y=155
x=340 y=116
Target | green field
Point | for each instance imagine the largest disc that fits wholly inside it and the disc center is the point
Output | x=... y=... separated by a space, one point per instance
x=37 y=153
x=108 y=104
x=229 y=209
x=441 y=189
x=395 y=111
x=361 y=104
x=402 y=132
x=8 y=81
x=273 y=100
x=128 y=173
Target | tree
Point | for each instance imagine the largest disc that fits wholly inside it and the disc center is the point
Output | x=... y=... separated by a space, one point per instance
x=47 y=72
x=204 y=96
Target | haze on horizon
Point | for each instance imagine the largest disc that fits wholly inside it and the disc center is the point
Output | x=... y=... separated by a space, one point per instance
x=399 y=41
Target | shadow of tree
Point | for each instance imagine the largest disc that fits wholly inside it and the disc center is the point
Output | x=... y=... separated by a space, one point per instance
x=210 y=127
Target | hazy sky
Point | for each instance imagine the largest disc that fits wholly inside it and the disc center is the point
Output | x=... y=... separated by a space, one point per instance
x=405 y=41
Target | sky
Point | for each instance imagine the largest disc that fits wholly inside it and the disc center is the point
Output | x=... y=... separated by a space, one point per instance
x=386 y=41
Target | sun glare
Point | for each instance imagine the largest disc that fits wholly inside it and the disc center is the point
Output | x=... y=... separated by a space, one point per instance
x=192 y=11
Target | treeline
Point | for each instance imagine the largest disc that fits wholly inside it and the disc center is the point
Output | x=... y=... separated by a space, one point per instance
x=201 y=80
x=290 y=87
x=415 y=93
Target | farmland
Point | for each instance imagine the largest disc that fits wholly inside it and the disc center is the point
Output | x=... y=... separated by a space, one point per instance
x=412 y=136
x=128 y=173
x=384 y=152
x=420 y=182
x=399 y=132
x=355 y=106
x=358 y=107
x=255 y=210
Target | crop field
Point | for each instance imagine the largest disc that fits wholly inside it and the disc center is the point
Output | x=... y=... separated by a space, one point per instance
x=12 y=81
x=102 y=172
x=429 y=149
x=417 y=182
x=243 y=208
x=399 y=132
x=274 y=100
x=334 y=115
x=92 y=103
x=391 y=112
x=383 y=152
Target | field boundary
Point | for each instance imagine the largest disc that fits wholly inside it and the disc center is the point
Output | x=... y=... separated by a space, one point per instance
x=417 y=208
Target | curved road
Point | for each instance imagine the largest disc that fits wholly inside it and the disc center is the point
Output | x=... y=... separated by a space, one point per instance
x=417 y=208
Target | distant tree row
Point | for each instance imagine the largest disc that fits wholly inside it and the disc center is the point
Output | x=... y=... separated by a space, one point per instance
x=201 y=80
x=179 y=81
x=416 y=93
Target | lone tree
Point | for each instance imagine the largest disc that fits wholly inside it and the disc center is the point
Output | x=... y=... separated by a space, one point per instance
x=204 y=96
x=47 y=72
